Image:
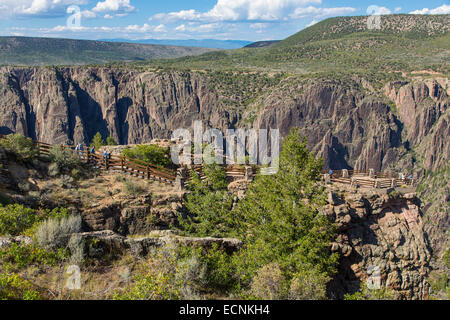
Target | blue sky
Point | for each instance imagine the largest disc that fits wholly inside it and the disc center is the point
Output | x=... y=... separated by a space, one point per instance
x=180 y=19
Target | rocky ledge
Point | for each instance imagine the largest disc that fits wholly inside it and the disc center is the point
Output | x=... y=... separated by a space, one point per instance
x=108 y=243
x=382 y=232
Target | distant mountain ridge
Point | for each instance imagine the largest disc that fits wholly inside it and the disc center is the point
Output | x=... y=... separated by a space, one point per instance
x=262 y=44
x=202 y=43
x=52 y=51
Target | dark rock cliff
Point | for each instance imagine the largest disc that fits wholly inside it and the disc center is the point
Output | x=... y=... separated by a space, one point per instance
x=350 y=126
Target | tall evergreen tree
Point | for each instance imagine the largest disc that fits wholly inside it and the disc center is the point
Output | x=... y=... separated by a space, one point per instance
x=280 y=221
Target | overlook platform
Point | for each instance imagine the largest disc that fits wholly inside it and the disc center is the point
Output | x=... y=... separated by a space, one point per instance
x=370 y=179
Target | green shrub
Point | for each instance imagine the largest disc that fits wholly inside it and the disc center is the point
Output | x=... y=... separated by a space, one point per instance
x=65 y=160
x=111 y=142
x=217 y=267
x=309 y=285
x=44 y=214
x=55 y=233
x=22 y=147
x=447 y=258
x=15 y=219
x=151 y=154
x=268 y=283
x=133 y=188
x=370 y=294
x=13 y=287
x=157 y=281
x=19 y=256
x=149 y=287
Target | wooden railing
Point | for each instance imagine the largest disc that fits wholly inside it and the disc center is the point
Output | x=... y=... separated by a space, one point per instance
x=371 y=179
x=124 y=164
x=148 y=171
x=128 y=165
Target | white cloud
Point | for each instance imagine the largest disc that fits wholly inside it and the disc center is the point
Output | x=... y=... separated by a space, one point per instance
x=250 y=10
x=160 y=28
x=193 y=27
x=38 y=8
x=130 y=29
x=86 y=14
x=320 y=12
x=398 y=9
x=259 y=25
x=444 y=9
x=384 y=11
x=312 y=23
x=119 y=6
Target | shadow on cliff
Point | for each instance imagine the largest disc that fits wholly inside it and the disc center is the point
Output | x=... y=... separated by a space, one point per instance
x=5 y=130
x=91 y=114
x=122 y=126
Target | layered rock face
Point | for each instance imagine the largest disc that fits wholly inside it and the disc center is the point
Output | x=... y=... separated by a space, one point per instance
x=346 y=124
x=382 y=243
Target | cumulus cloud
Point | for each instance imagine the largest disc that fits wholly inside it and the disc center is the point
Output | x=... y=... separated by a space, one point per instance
x=99 y=30
x=319 y=12
x=254 y=11
x=57 y=8
x=118 y=6
x=39 y=8
x=193 y=27
x=444 y=9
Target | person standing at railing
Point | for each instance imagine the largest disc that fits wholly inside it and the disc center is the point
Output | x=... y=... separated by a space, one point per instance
x=81 y=151
x=106 y=157
x=411 y=179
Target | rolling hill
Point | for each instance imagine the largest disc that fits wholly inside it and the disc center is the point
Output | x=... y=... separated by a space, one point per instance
x=202 y=43
x=49 y=51
x=341 y=46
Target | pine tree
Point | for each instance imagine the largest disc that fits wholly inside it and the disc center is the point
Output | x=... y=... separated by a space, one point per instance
x=209 y=204
x=280 y=220
x=98 y=141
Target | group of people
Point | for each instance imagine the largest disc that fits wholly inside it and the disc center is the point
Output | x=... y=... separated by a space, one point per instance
x=79 y=148
x=403 y=176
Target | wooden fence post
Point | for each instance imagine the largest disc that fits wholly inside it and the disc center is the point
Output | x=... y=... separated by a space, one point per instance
x=180 y=178
x=122 y=164
x=106 y=163
x=148 y=172
x=87 y=156
x=345 y=173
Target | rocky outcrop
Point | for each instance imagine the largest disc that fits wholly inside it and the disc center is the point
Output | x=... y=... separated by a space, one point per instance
x=107 y=243
x=382 y=232
x=423 y=110
x=8 y=241
x=135 y=216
